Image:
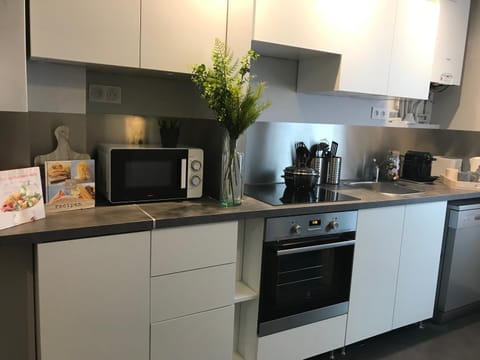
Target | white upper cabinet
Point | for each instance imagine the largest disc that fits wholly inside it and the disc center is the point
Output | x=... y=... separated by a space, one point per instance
x=240 y=26
x=413 y=48
x=88 y=31
x=305 y=24
x=178 y=34
x=379 y=47
x=450 y=44
x=362 y=32
x=13 y=72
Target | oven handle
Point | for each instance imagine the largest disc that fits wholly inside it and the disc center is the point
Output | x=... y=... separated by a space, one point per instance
x=315 y=247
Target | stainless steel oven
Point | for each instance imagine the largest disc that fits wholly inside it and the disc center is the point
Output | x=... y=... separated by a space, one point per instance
x=306 y=269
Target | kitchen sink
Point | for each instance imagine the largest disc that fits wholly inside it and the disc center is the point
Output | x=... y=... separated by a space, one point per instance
x=389 y=188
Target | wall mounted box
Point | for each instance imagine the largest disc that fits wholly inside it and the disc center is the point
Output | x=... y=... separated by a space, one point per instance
x=450 y=43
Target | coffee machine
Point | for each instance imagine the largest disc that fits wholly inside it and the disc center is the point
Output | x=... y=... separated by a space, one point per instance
x=417 y=166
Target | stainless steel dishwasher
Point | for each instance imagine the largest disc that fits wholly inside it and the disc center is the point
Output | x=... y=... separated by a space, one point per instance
x=459 y=283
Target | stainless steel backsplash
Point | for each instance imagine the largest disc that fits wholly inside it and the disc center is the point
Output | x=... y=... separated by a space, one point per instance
x=269 y=146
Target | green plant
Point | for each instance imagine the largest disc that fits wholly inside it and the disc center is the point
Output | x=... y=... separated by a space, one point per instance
x=226 y=87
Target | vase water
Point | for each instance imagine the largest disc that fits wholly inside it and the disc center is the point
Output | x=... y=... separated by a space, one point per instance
x=231 y=192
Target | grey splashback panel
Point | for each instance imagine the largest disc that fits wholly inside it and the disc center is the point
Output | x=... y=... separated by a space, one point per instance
x=270 y=146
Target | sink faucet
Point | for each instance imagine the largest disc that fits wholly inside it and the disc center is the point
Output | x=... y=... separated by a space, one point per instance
x=375 y=170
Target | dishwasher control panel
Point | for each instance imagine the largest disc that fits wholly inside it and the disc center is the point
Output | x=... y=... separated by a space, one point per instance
x=463 y=219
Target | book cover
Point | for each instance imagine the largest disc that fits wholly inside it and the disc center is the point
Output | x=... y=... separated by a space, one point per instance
x=69 y=185
x=21 y=196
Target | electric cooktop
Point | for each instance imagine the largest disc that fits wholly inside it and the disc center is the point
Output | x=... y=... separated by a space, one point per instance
x=280 y=194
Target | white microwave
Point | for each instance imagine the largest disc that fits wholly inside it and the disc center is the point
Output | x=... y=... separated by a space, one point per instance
x=144 y=173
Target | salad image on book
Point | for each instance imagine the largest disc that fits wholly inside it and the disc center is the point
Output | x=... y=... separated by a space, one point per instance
x=21 y=200
x=20 y=196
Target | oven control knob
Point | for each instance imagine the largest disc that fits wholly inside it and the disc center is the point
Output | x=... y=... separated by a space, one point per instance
x=196 y=165
x=195 y=180
x=296 y=229
x=332 y=225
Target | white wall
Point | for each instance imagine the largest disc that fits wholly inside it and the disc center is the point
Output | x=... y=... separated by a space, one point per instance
x=459 y=107
x=17 y=329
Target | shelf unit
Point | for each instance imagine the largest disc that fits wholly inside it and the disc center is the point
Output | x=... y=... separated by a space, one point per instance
x=243 y=292
x=236 y=356
x=403 y=124
x=247 y=285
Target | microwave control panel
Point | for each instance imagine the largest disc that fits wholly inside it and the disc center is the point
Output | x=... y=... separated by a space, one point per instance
x=195 y=173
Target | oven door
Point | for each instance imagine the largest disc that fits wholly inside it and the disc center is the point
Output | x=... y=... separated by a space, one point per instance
x=138 y=175
x=304 y=281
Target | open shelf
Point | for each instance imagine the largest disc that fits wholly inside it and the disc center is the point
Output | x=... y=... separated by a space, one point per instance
x=236 y=356
x=402 y=124
x=243 y=292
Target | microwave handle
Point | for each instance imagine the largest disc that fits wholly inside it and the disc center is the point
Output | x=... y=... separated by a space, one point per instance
x=183 y=174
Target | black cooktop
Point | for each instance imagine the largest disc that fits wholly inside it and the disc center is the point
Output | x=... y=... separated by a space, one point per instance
x=280 y=194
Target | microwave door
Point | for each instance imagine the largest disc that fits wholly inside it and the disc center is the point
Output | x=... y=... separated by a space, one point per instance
x=148 y=175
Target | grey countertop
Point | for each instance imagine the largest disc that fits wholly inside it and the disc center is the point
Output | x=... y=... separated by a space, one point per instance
x=109 y=220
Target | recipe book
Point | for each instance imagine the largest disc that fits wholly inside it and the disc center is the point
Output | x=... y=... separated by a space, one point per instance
x=69 y=185
x=21 y=196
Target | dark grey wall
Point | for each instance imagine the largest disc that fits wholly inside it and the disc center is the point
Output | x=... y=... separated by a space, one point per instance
x=17 y=325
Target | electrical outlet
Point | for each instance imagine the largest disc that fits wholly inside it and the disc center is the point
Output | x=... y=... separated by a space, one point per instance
x=379 y=113
x=105 y=94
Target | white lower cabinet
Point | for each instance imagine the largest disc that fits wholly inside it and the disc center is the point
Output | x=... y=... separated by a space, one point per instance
x=374 y=274
x=419 y=263
x=97 y=298
x=304 y=341
x=203 y=336
x=93 y=298
x=193 y=291
x=395 y=269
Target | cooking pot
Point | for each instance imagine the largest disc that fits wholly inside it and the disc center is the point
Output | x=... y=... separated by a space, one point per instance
x=300 y=177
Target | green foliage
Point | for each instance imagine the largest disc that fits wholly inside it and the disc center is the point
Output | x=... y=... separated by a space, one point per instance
x=226 y=87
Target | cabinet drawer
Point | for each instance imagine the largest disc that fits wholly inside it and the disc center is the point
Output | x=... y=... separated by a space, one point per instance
x=193 y=291
x=315 y=339
x=204 y=336
x=193 y=247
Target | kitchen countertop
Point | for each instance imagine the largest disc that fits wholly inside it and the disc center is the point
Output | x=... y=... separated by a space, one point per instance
x=116 y=219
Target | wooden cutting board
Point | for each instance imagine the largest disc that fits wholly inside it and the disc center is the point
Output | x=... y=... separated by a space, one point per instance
x=63 y=150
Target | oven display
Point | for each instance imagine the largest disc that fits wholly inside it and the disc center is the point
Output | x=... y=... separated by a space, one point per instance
x=315 y=222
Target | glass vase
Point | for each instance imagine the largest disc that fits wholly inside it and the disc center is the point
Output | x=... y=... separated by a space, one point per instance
x=231 y=191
